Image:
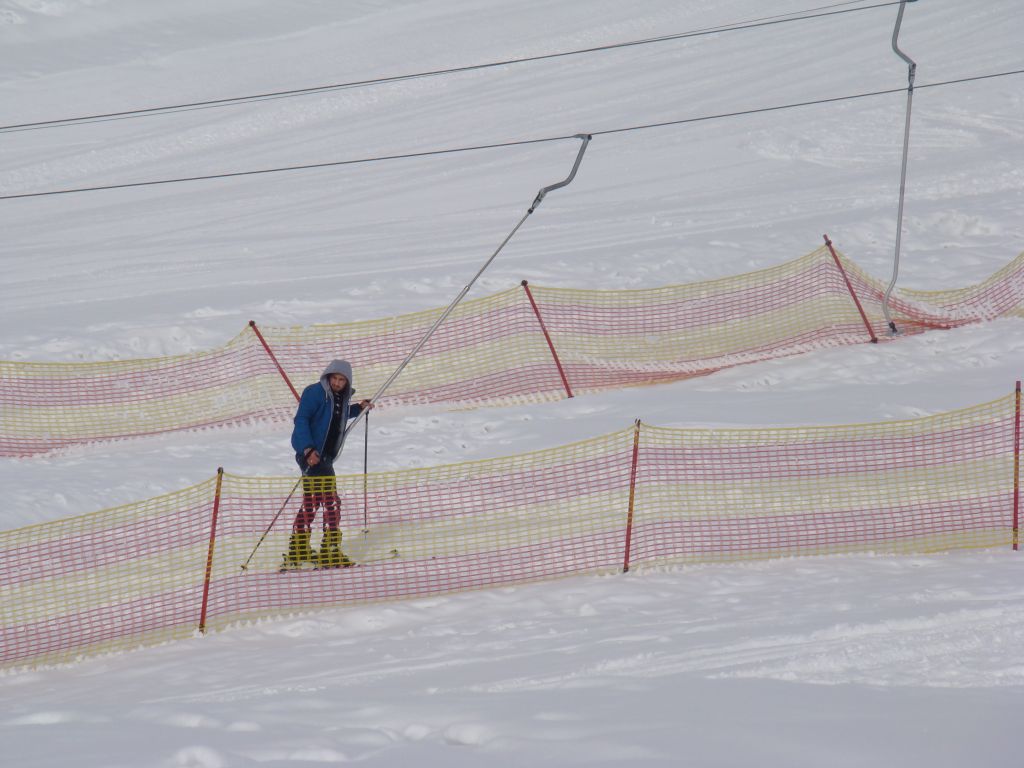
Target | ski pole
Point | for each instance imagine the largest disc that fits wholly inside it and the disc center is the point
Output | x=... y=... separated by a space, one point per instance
x=245 y=565
x=366 y=464
x=585 y=138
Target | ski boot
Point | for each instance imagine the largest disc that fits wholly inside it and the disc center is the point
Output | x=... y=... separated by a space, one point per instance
x=331 y=555
x=299 y=552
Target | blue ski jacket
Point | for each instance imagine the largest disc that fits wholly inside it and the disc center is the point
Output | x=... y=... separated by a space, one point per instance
x=316 y=409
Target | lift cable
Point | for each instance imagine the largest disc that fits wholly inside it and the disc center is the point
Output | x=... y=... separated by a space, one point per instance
x=497 y=145
x=809 y=13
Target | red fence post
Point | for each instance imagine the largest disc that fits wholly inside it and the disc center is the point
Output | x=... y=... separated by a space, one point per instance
x=252 y=324
x=209 y=551
x=547 y=336
x=849 y=286
x=632 y=496
x=1016 y=472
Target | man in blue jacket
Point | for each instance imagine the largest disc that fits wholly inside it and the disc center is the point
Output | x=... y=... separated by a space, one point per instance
x=318 y=436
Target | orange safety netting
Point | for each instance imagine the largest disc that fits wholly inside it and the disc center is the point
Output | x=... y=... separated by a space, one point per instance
x=162 y=568
x=491 y=351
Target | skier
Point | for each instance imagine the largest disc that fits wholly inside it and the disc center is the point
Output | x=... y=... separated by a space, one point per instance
x=324 y=410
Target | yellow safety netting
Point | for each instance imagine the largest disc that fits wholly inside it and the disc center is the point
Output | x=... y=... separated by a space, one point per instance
x=166 y=567
x=490 y=351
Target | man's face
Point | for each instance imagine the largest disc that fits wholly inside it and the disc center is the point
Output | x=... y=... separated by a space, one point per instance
x=338 y=381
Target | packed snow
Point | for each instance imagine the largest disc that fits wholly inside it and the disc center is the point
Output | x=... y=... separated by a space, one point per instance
x=845 y=661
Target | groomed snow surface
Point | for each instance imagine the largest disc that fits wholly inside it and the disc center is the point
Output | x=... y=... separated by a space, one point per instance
x=846 y=661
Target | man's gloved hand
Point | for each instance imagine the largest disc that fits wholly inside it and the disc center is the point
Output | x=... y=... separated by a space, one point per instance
x=312 y=457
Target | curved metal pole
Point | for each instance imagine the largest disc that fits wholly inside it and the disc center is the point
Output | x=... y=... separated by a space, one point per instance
x=585 y=137
x=911 y=72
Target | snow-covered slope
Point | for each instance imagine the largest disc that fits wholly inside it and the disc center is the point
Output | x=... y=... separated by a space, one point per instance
x=920 y=656
x=846 y=661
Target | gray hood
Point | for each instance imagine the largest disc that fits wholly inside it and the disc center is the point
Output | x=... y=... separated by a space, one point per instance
x=343 y=367
x=331 y=452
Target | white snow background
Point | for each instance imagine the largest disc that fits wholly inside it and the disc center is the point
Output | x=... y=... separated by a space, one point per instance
x=841 y=661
